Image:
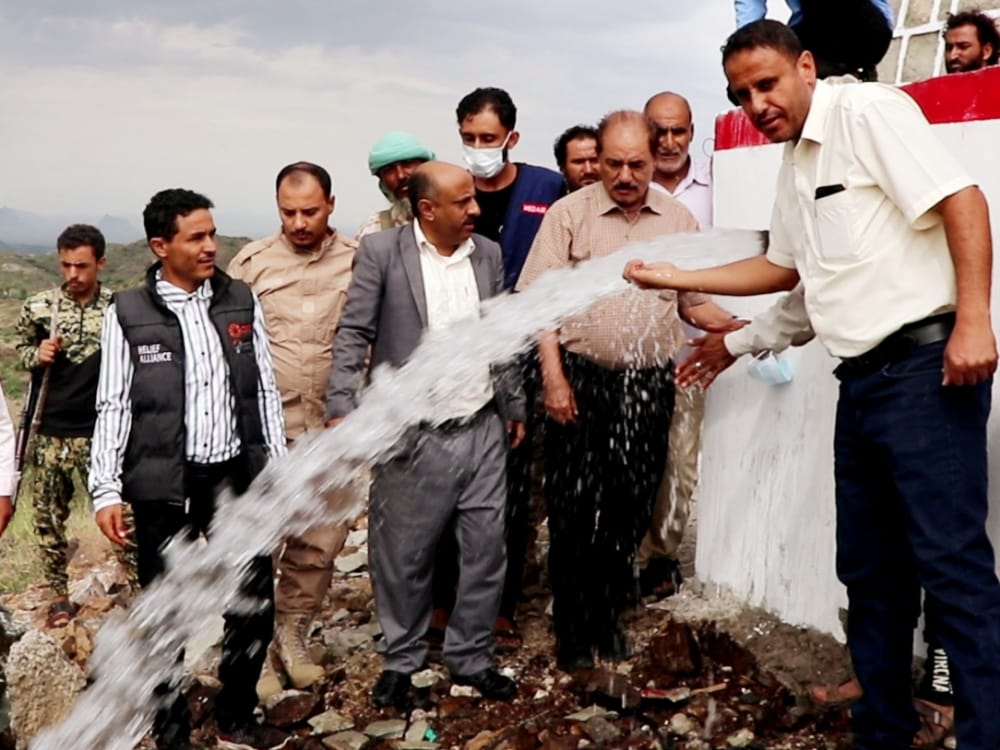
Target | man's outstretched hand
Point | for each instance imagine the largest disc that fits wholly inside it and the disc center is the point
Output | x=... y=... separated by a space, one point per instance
x=650 y=275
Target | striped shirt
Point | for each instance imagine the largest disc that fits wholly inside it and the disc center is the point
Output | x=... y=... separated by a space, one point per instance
x=211 y=434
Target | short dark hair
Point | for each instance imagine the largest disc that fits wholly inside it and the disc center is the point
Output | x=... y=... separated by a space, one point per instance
x=765 y=33
x=571 y=134
x=306 y=167
x=78 y=235
x=488 y=98
x=986 y=30
x=159 y=218
x=622 y=116
x=421 y=186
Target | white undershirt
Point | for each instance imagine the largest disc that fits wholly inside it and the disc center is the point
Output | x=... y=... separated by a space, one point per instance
x=452 y=294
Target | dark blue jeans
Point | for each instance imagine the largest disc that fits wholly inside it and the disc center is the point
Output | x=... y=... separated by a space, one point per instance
x=911 y=475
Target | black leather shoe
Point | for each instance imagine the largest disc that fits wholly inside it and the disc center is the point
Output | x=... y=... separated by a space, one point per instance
x=391 y=689
x=490 y=684
x=569 y=660
x=614 y=646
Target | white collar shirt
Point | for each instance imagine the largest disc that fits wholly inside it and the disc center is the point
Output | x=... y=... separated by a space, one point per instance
x=695 y=192
x=854 y=214
x=451 y=294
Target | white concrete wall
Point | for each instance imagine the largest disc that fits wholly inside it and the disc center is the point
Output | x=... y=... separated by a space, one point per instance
x=766 y=506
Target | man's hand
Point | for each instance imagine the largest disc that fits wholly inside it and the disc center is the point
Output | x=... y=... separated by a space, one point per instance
x=516 y=431
x=6 y=513
x=560 y=404
x=971 y=354
x=111 y=522
x=709 y=358
x=48 y=350
x=650 y=276
x=334 y=421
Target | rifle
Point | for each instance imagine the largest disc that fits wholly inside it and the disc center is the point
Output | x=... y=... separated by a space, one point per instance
x=31 y=412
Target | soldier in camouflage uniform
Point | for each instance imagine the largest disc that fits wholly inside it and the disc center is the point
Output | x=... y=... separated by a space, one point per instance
x=59 y=334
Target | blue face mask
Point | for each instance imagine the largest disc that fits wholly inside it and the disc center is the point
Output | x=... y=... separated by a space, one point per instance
x=770 y=368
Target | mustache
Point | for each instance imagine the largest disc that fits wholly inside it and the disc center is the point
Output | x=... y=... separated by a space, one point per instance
x=625 y=186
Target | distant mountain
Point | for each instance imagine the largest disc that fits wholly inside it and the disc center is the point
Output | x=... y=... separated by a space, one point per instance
x=118 y=229
x=32 y=233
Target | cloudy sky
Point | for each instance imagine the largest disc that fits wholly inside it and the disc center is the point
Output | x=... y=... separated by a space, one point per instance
x=107 y=101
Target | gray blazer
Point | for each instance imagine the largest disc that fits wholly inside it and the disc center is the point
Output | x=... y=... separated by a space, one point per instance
x=386 y=310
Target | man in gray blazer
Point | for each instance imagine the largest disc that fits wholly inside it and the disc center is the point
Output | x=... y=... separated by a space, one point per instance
x=420 y=277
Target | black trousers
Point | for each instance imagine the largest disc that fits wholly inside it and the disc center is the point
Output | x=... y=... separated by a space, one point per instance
x=845 y=36
x=601 y=477
x=517 y=527
x=246 y=636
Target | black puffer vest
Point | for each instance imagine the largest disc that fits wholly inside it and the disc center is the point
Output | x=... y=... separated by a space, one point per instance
x=153 y=468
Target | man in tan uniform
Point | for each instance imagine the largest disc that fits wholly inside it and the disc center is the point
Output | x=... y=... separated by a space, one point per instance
x=300 y=276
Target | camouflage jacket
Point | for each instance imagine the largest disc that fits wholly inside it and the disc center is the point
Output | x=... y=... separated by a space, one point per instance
x=80 y=327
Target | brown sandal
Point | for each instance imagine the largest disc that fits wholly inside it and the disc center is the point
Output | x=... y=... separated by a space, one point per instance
x=834 y=697
x=61 y=612
x=936 y=723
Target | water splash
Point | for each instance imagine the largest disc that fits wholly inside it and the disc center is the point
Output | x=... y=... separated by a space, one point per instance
x=137 y=650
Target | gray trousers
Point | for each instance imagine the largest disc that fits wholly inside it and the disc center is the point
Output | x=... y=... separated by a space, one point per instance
x=441 y=473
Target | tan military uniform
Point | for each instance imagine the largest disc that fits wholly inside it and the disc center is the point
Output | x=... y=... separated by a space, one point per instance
x=395 y=216
x=302 y=295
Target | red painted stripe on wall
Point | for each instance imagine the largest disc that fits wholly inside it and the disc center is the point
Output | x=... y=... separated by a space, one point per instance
x=961 y=97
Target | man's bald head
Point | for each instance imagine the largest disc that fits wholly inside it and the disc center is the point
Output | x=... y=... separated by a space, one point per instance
x=443 y=198
x=666 y=101
x=671 y=113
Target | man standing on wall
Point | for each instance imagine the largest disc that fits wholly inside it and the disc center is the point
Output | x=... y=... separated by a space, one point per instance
x=971 y=42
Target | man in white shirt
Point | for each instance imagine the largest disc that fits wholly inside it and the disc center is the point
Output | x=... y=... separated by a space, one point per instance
x=409 y=282
x=675 y=171
x=690 y=182
x=891 y=241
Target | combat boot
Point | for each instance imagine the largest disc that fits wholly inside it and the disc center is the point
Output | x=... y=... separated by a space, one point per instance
x=289 y=635
x=271 y=680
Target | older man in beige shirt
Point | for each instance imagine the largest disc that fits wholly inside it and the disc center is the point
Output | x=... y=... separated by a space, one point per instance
x=608 y=390
x=300 y=276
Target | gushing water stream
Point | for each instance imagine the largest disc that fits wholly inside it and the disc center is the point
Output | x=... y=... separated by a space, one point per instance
x=137 y=650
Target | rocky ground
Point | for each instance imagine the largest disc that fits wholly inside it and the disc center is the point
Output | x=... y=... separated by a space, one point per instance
x=707 y=673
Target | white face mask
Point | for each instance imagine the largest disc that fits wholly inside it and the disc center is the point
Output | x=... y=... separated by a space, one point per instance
x=770 y=368
x=485 y=162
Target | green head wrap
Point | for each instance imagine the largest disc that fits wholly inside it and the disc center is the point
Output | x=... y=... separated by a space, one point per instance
x=393 y=147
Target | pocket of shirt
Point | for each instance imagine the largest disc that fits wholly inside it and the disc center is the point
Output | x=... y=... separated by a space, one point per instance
x=834 y=226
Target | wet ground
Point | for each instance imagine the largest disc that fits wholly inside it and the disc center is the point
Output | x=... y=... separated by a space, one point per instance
x=706 y=673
